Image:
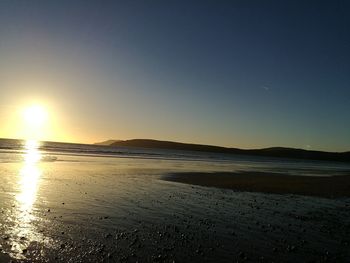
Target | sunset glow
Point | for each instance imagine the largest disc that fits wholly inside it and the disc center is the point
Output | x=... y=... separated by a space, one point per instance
x=35 y=116
x=35 y=122
x=187 y=131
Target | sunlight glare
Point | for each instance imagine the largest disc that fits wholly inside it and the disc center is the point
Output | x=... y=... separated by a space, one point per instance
x=35 y=122
x=35 y=115
x=28 y=184
x=32 y=154
x=29 y=174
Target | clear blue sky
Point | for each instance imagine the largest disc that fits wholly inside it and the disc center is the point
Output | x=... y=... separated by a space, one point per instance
x=245 y=74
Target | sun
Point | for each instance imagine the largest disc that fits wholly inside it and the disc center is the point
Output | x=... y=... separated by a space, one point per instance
x=35 y=116
x=35 y=123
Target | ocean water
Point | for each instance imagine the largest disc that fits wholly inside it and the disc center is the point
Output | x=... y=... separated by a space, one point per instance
x=86 y=203
x=17 y=150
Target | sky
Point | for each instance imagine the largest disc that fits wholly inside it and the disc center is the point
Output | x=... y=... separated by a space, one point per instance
x=246 y=74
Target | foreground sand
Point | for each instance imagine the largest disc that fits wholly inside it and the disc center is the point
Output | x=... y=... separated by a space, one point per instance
x=330 y=187
x=81 y=209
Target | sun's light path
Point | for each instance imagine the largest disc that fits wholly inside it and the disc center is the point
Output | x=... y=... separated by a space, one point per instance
x=29 y=175
x=28 y=181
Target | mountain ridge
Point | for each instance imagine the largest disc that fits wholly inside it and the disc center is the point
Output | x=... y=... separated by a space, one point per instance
x=280 y=152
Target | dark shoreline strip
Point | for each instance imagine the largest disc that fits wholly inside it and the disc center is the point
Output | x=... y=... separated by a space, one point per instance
x=276 y=183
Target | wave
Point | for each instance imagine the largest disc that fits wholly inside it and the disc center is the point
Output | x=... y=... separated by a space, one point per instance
x=74 y=149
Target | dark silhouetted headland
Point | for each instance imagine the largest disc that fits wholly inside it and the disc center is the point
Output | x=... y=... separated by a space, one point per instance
x=280 y=152
x=108 y=142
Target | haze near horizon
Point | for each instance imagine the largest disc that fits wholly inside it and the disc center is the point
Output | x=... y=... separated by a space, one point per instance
x=241 y=74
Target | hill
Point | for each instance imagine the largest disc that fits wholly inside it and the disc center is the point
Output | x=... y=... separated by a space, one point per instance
x=108 y=142
x=280 y=152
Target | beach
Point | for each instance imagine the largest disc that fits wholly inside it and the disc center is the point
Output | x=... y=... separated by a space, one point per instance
x=174 y=131
x=70 y=207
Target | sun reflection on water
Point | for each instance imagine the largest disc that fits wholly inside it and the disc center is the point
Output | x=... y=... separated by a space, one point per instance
x=29 y=176
x=23 y=231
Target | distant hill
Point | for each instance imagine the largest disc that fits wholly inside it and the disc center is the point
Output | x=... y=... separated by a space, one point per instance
x=108 y=142
x=280 y=152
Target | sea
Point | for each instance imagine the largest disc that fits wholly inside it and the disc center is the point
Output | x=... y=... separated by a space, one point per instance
x=65 y=202
x=12 y=150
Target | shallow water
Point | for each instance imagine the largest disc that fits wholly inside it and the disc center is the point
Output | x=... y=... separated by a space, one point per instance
x=75 y=208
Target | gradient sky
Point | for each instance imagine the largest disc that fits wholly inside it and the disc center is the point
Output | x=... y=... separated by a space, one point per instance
x=245 y=74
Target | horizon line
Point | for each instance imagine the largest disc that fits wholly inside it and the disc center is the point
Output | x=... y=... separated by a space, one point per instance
x=210 y=145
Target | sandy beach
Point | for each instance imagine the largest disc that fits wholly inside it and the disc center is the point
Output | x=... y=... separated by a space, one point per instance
x=263 y=182
x=174 y=131
x=67 y=207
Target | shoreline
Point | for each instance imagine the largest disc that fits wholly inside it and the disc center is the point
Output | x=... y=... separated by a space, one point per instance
x=273 y=183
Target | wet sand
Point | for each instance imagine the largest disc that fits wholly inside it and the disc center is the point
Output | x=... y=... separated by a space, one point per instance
x=276 y=183
x=4 y=257
x=84 y=209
